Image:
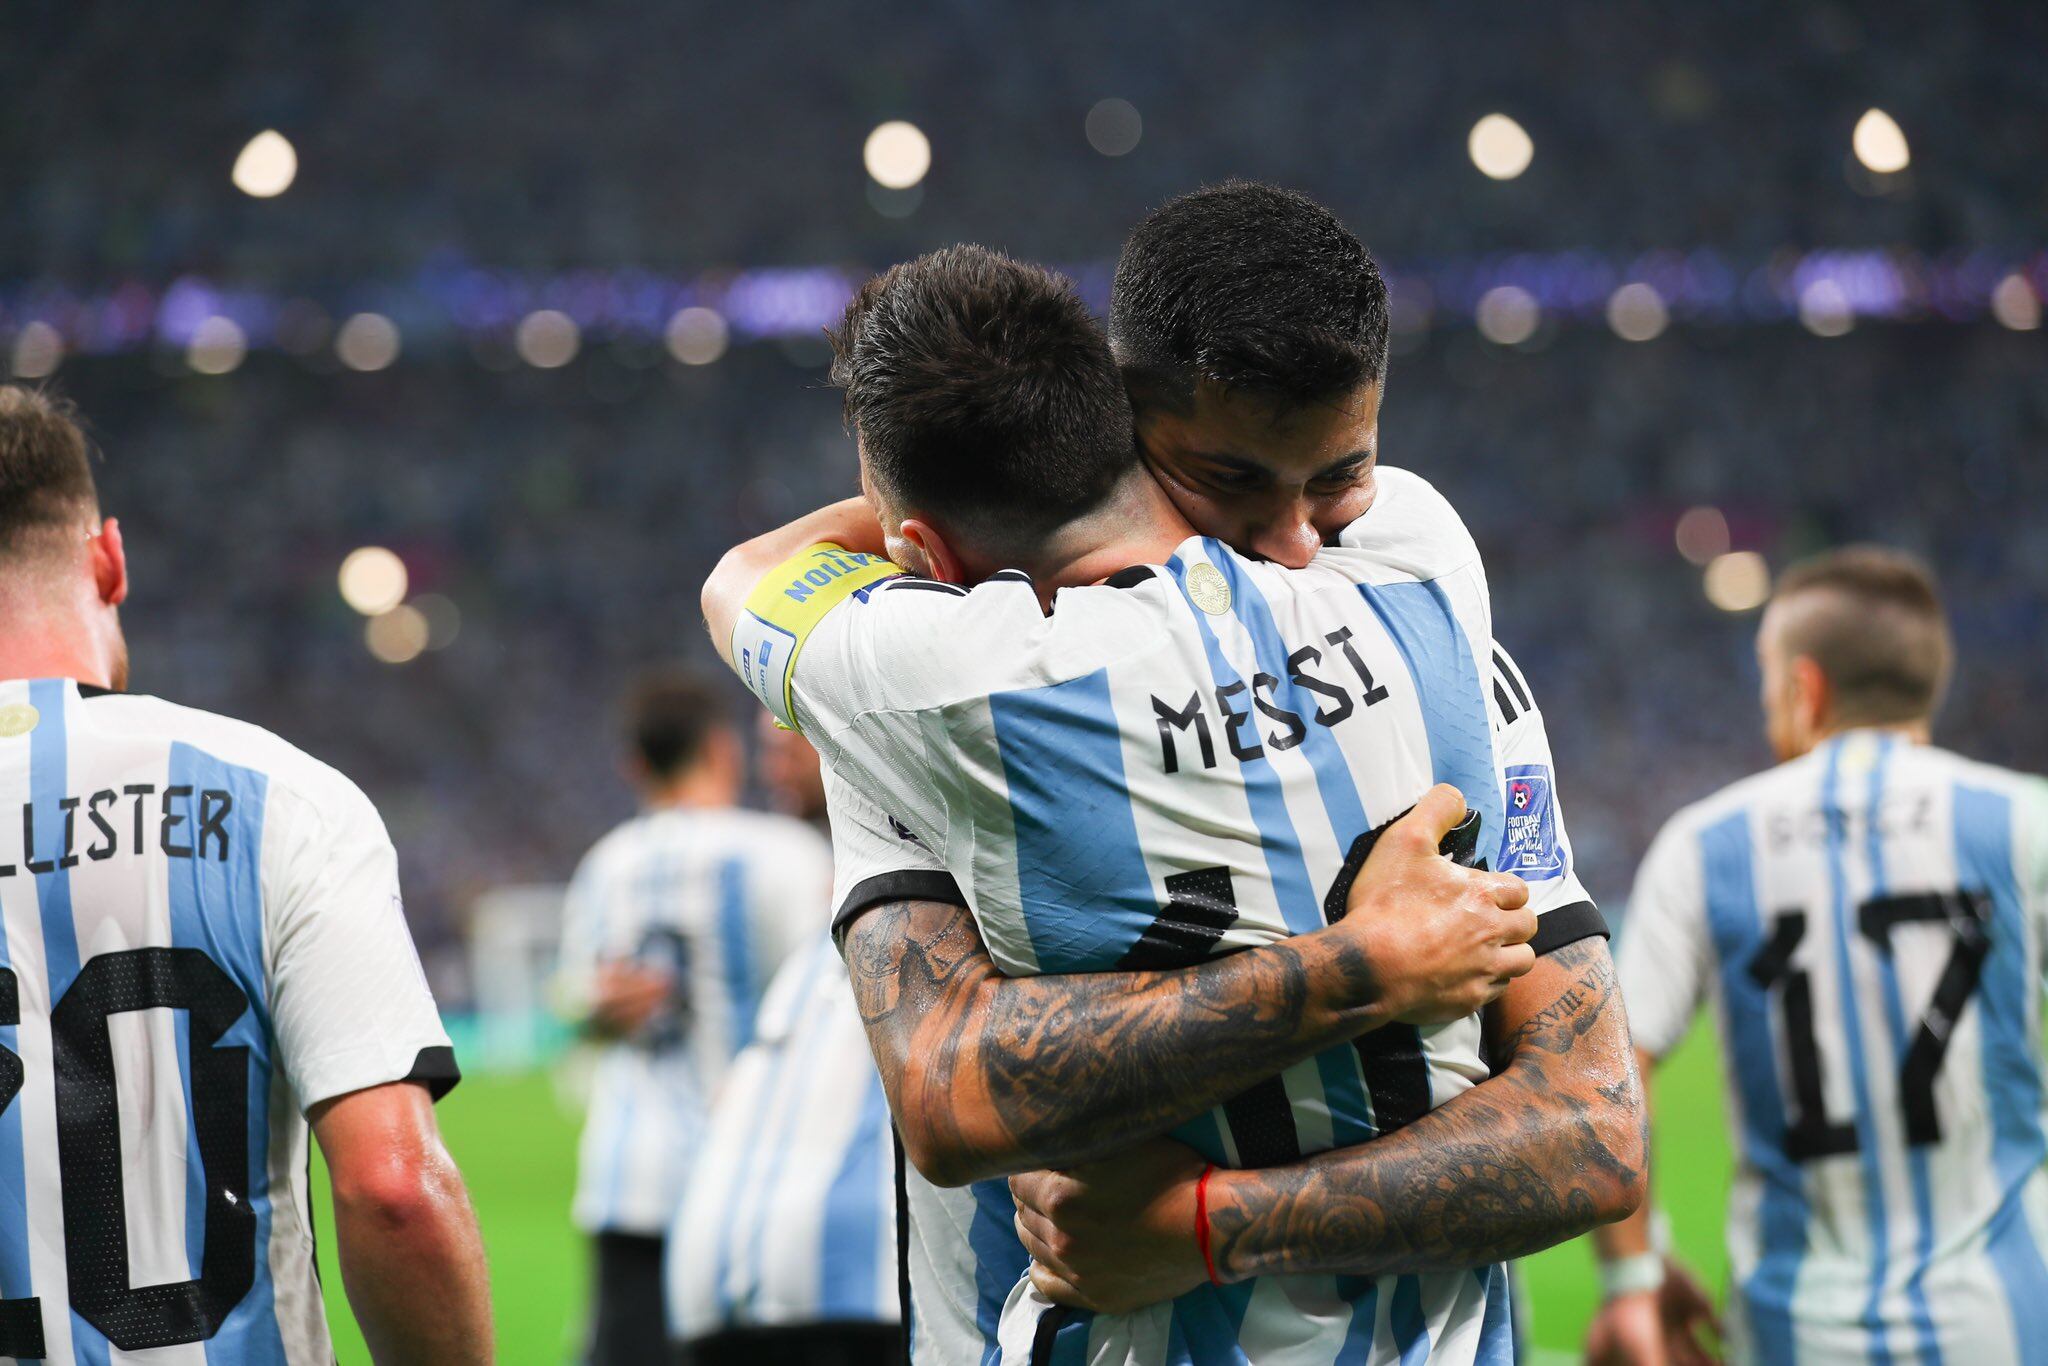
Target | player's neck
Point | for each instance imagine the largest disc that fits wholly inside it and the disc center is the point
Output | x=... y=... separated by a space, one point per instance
x=1138 y=525
x=1918 y=732
x=693 y=791
x=51 y=645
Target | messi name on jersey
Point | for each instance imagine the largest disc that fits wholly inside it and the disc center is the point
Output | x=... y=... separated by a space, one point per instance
x=1239 y=706
x=177 y=820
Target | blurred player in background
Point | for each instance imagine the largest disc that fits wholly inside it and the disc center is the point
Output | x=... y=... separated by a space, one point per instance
x=1033 y=757
x=675 y=923
x=784 y=1250
x=205 y=951
x=1867 y=920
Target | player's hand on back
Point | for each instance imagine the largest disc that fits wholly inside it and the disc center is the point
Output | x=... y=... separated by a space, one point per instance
x=1443 y=940
x=1117 y=1234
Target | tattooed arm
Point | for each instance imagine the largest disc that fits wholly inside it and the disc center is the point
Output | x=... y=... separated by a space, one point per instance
x=1547 y=1148
x=989 y=1075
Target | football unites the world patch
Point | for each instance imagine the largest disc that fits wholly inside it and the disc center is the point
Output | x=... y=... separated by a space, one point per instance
x=1529 y=846
x=786 y=604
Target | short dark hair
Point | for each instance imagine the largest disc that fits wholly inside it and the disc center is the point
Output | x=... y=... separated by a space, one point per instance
x=1882 y=638
x=670 y=712
x=45 y=466
x=1255 y=288
x=984 y=391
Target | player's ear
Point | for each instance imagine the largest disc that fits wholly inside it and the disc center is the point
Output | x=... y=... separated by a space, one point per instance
x=109 y=563
x=1812 y=696
x=940 y=561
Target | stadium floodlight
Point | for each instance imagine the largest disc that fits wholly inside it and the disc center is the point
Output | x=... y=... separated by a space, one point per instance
x=2015 y=304
x=897 y=155
x=1508 y=315
x=1113 y=127
x=267 y=165
x=1824 y=308
x=398 y=636
x=373 y=580
x=1739 y=581
x=696 y=336
x=38 y=349
x=1501 y=148
x=367 y=341
x=1702 y=534
x=217 y=346
x=1880 y=144
x=547 y=339
x=1637 y=313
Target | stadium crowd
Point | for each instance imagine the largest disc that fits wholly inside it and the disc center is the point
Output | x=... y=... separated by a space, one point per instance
x=570 y=514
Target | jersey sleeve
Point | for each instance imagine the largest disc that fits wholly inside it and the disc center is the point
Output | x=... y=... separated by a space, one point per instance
x=877 y=858
x=1661 y=954
x=582 y=944
x=349 y=1001
x=1534 y=844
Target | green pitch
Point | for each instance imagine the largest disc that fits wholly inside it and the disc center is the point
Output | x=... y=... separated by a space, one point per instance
x=516 y=1142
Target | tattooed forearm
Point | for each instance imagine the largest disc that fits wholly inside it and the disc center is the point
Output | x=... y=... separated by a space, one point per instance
x=990 y=1075
x=1549 y=1147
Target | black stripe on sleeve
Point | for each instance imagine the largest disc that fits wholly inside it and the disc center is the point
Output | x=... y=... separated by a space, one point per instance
x=902 y=884
x=1500 y=697
x=1567 y=925
x=435 y=1069
x=1508 y=671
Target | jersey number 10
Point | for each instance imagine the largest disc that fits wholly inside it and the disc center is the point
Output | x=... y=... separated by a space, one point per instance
x=1809 y=1133
x=89 y=1150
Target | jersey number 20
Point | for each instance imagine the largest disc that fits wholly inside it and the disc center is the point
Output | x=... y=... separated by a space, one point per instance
x=89 y=1150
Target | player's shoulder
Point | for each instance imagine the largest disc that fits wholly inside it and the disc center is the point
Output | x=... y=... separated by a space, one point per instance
x=766 y=836
x=1410 y=531
x=1964 y=771
x=288 y=771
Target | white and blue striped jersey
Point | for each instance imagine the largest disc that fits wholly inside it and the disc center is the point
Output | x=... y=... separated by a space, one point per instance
x=1867 y=921
x=718 y=898
x=790 y=1214
x=1176 y=764
x=203 y=939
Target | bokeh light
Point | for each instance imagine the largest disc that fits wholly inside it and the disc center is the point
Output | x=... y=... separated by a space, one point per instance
x=1637 y=313
x=443 y=618
x=267 y=165
x=1738 y=581
x=2015 y=304
x=897 y=154
x=367 y=341
x=38 y=350
x=1114 y=127
x=1879 y=143
x=1702 y=534
x=547 y=339
x=398 y=636
x=697 y=336
x=1500 y=147
x=217 y=346
x=1824 y=309
x=373 y=580
x=1508 y=315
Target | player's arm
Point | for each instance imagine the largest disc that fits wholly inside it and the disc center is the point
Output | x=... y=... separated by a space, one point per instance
x=411 y=1258
x=849 y=524
x=989 y=1075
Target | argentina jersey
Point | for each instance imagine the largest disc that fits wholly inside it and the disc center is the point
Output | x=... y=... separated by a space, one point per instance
x=790 y=1214
x=1866 y=921
x=203 y=939
x=1173 y=765
x=716 y=897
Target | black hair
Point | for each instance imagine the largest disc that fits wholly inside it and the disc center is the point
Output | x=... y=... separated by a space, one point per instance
x=984 y=391
x=1878 y=632
x=45 y=465
x=669 y=714
x=1255 y=288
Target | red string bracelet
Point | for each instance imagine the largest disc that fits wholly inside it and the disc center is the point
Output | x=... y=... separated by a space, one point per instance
x=1202 y=1223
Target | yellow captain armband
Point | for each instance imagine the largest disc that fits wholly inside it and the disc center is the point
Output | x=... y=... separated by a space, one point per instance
x=785 y=606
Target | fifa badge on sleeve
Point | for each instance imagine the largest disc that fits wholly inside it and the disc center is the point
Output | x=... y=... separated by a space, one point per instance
x=1529 y=846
